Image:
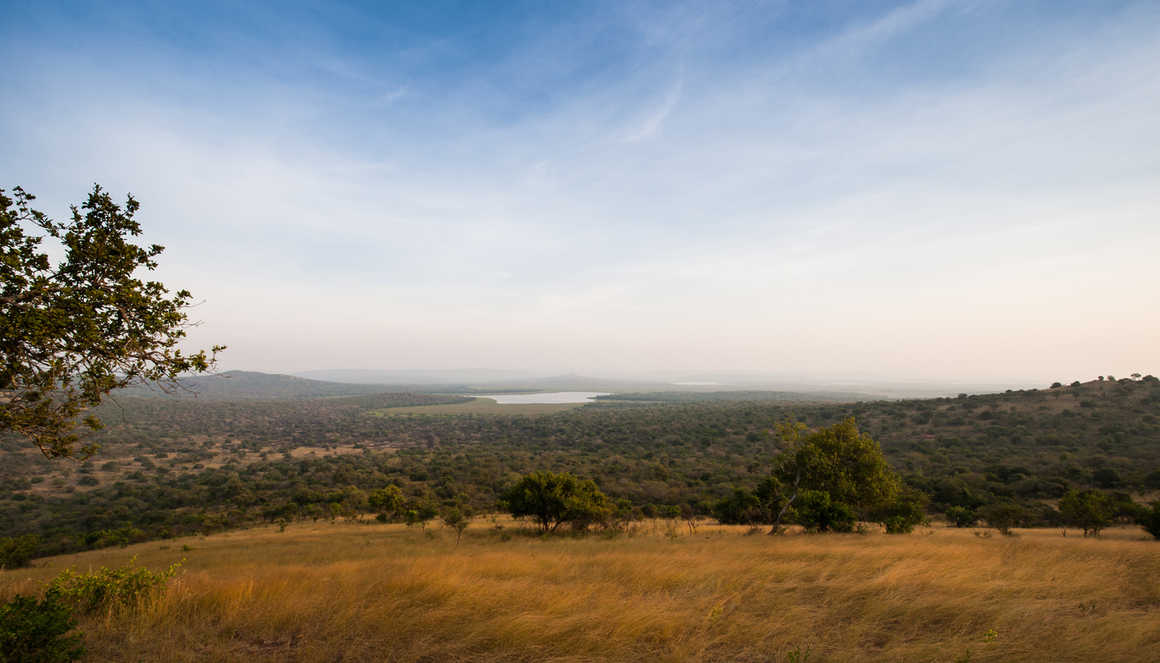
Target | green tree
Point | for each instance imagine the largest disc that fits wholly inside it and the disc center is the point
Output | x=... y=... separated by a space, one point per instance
x=74 y=329
x=1090 y=510
x=961 y=516
x=387 y=501
x=740 y=508
x=1003 y=516
x=840 y=461
x=456 y=520
x=552 y=499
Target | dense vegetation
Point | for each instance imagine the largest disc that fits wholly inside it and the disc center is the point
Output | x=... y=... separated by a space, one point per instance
x=173 y=467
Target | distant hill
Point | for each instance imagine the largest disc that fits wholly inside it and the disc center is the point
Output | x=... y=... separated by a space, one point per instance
x=443 y=378
x=252 y=385
x=740 y=395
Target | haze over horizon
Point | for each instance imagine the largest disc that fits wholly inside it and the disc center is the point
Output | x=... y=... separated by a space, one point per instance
x=940 y=190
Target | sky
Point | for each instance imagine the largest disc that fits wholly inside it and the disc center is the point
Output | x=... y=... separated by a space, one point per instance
x=929 y=190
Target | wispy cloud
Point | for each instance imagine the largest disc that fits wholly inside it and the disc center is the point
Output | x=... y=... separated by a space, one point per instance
x=655 y=120
x=707 y=186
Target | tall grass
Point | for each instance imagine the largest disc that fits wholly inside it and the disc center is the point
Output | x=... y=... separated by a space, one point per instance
x=355 y=592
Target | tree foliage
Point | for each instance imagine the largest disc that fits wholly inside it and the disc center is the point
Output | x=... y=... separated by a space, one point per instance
x=74 y=329
x=552 y=499
x=1090 y=510
x=843 y=462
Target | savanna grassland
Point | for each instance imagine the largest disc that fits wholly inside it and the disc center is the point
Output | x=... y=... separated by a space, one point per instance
x=350 y=591
x=177 y=467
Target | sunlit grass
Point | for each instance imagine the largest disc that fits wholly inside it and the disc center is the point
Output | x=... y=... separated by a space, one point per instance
x=326 y=592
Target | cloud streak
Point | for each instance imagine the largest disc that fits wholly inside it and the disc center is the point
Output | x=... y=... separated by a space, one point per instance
x=904 y=192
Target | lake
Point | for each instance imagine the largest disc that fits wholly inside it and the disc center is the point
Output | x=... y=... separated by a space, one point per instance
x=545 y=397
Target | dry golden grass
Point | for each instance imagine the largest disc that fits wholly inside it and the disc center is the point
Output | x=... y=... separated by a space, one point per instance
x=357 y=592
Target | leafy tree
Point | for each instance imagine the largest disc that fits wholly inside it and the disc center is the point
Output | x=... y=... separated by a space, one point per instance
x=552 y=499
x=1003 y=516
x=73 y=330
x=838 y=461
x=387 y=501
x=418 y=513
x=740 y=508
x=1089 y=510
x=961 y=516
x=843 y=462
x=456 y=520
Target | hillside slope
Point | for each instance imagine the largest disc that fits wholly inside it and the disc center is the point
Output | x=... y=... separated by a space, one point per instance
x=251 y=385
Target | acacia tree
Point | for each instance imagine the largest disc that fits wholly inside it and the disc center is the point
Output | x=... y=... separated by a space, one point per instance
x=840 y=469
x=74 y=329
x=552 y=499
x=1090 y=510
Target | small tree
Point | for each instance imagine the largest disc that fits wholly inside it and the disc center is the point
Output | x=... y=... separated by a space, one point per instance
x=554 y=499
x=961 y=516
x=1090 y=510
x=387 y=501
x=740 y=508
x=1003 y=516
x=456 y=520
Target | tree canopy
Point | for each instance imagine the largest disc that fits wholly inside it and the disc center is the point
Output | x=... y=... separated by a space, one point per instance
x=74 y=329
x=843 y=462
x=552 y=499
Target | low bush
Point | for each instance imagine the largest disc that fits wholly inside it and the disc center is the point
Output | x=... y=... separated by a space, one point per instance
x=961 y=516
x=17 y=551
x=108 y=588
x=817 y=512
x=1149 y=519
x=34 y=631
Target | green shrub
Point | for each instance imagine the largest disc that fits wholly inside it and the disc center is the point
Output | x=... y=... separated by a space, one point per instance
x=905 y=513
x=108 y=588
x=815 y=511
x=17 y=551
x=34 y=631
x=1004 y=516
x=1149 y=519
x=961 y=516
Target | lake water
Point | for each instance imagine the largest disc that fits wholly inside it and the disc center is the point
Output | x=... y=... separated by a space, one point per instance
x=545 y=397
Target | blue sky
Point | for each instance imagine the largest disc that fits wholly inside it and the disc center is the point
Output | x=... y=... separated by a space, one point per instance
x=934 y=189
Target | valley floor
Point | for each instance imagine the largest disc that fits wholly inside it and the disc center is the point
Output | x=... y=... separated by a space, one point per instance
x=371 y=592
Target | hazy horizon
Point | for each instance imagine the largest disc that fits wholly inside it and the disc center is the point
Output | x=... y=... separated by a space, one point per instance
x=935 y=191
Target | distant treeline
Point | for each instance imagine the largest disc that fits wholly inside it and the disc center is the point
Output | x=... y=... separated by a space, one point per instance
x=1025 y=448
x=735 y=396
